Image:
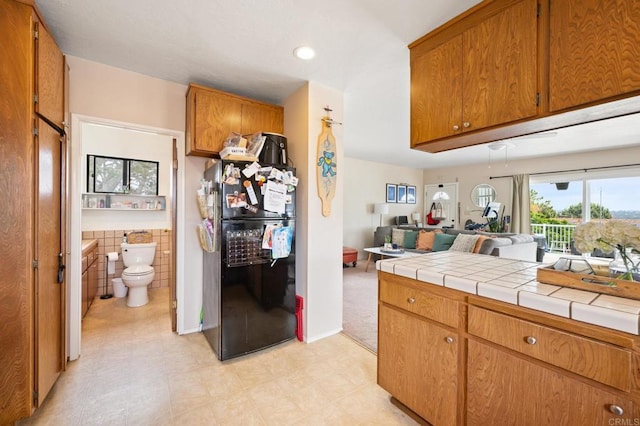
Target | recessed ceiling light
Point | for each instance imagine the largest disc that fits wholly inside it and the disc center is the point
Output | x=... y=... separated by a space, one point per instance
x=304 y=52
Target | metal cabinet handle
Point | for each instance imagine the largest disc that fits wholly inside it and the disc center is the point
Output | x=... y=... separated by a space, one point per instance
x=616 y=409
x=411 y=300
x=456 y=127
x=449 y=340
x=466 y=124
x=531 y=340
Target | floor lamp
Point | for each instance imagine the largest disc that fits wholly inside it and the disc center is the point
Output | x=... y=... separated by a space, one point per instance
x=381 y=209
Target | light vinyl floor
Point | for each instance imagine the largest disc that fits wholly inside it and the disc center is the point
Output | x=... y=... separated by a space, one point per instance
x=134 y=371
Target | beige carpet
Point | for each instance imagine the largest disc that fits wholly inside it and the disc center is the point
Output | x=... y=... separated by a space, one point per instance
x=360 y=304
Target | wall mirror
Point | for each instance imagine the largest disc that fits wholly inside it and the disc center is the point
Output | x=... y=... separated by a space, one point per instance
x=121 y=175
x=483 y=194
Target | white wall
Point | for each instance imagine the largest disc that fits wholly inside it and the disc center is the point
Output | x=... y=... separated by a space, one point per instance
x=318 y=238
x=365 y=185
x=471 y=175
x=124 y=143
x=98 y=90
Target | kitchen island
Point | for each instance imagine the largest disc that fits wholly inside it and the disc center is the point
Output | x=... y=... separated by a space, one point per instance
x=474 y=339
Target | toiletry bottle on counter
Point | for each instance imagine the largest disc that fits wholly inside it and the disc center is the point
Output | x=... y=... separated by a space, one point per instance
x=124 y=238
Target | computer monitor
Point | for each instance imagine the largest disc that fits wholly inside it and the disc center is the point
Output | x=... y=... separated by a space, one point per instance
x=402 y=220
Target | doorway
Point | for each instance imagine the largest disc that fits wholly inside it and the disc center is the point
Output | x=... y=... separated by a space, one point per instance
x=85 y=130
x=446 y=194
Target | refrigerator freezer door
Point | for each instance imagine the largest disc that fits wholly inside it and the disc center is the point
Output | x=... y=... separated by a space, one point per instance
x=242 y=197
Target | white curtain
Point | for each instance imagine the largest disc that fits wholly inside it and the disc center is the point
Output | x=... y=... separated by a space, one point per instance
x=520 y=205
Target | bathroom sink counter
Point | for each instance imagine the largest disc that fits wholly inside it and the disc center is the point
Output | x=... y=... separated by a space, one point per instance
x=87 y=245
x=492 y=345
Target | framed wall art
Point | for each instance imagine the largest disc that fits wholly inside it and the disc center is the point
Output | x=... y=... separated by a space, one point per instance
x=411 y=194
x=391 y=193
x=402 y=193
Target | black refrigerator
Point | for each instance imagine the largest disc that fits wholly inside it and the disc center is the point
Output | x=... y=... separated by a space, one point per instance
x=249 y=270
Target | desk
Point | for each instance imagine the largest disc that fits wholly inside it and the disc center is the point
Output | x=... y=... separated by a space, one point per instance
x=377 y=250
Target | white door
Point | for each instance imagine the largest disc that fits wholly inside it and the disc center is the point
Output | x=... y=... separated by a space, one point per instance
x=447 y=195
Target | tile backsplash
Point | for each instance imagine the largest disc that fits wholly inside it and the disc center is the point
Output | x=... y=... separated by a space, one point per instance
x=109 y=241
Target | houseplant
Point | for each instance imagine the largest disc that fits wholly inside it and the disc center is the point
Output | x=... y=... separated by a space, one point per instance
x=610 y=236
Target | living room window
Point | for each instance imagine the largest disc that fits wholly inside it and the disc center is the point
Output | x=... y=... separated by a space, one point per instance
x=558 y=201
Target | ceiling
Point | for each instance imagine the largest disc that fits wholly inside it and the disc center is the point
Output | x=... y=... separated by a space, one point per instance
x=245 y=47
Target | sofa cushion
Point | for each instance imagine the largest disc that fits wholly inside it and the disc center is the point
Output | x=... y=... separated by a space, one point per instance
x=521 y=238
x=479 y=241
x=425 y=239
x=380 y=235
x=442 y=242
x=490 y=244
x=464 y=243
x=397 y=236
x=410 y=238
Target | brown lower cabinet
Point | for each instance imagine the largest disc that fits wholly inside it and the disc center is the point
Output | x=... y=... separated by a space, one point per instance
x=497 y=363
x=89 y=275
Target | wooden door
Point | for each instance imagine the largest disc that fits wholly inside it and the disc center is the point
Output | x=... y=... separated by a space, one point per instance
x=418 y=366
x=508 y=390
x=49 y=292
x=500 y=68
x=216 y=116
x=594 y=51
x=16 y=214
x=261 y=118
x=436 y=92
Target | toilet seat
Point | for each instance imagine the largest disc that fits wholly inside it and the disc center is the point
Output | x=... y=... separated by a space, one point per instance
x=138 y=270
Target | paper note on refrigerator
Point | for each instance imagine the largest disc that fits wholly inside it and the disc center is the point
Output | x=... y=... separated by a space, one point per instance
x=281 y=242
x=275 y=197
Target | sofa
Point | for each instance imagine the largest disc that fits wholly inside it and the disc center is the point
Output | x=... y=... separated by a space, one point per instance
x=507 y=245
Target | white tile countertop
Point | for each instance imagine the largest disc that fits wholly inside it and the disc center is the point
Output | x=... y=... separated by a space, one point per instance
x=514 y=281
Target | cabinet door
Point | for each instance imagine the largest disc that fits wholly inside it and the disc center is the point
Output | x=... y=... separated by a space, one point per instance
x=92 y=288
x=85 y=292
x=500 y=68
x=216 y=116
x=436 y=92
x=594 y=51
x=261 y=118
x=418 y=365
x=504 y=389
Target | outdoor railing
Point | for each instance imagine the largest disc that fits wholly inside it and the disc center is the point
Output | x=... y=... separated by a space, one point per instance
x=558 y=236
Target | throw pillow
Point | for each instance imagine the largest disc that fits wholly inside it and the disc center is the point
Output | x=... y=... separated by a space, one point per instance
x=479 y=241
x=464 y=243
x=397 y=236
x=442 y=242
x=410 y=238
x=425 y=240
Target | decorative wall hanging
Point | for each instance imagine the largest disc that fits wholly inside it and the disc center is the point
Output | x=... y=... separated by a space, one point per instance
x=392 y=190
x=327 y=168
x=402 y=193
x=411 y=194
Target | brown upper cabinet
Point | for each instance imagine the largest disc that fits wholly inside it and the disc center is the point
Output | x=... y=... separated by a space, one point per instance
x=484 y=76
x=212 y=115
x=594 y=49
x=507 y=68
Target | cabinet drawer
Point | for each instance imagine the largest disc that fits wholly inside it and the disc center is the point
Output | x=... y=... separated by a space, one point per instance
x=420 y=302
x=85 y=263
x=91 y=256
x=595 y=360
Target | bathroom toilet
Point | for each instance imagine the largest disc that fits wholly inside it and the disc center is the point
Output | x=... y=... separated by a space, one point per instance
x=139 y=273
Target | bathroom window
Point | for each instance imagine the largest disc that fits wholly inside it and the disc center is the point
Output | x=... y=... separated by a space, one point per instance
x=121 y=175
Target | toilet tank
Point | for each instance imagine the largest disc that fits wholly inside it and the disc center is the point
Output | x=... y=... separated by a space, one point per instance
x=138 y=254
